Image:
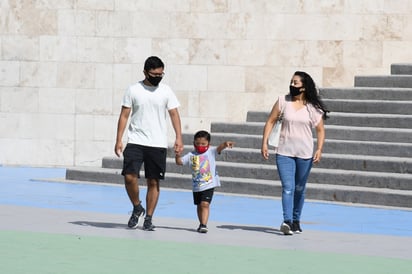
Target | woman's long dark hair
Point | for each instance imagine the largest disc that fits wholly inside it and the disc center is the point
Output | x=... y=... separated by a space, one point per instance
x=311 y=92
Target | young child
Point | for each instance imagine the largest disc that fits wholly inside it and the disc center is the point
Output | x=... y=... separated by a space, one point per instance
x=204 y=175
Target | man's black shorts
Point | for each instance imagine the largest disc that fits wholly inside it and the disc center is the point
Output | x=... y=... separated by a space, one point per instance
x=153 y=158
x=203 y=196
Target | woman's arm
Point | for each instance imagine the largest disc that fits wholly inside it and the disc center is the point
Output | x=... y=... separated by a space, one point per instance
x=320 y=135
x=270 y=122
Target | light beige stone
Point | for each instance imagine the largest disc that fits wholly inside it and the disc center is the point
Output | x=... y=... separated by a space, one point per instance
x=75 y=75
x=245 y=52
x=188 y=78
x=382 y=27
x=105 y=128
x=171 y=5
x=204 y=52
x=122 y=76
x=46 y=152
x=77 y=23
x=54 y=4
x=132 y=5
x=365 y=6
x=22 y=48
x=9 y=73
x=95 y=4
x=172 y=51
x=84 y=130
x=144 y=25
x=226 y=78
x=186 y=25
x=94 y=101
x=95 y=49
x=114 y=24
x=56 y=100
x=38 y=74
x=131 y=50
x=19 y=100
x=396 y=52
x=398 y=7
x=209 y=6
x=362 y=54
x=90 y=153
x=280 y=53
x=323 y=53
x=58 y=48
x=104 y=76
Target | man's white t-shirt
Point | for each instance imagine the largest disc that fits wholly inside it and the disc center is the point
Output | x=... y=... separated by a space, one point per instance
x=148 y=122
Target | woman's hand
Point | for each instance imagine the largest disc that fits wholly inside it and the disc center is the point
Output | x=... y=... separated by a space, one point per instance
x=265 y=151
x=317 y=156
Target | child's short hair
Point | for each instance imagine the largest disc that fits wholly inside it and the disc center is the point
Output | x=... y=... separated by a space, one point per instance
x=202 y=134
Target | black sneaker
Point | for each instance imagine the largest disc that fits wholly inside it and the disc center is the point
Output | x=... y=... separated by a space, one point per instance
x=285 y=227
x=148 y=226
x=134 y=219
x=296 y=227
x=202 y=229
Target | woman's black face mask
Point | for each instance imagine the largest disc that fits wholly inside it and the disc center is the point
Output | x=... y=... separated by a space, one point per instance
x=294 y=91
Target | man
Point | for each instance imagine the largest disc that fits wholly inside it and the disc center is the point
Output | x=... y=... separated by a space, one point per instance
x=147 y=101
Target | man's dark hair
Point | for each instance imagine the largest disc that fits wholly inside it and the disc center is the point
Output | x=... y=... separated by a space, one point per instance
x=153 y=62
x=202 y=134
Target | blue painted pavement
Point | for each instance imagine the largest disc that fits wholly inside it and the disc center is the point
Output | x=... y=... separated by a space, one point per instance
x=29 y=186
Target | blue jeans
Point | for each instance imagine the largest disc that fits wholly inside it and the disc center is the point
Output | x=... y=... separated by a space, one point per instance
x=293 y=173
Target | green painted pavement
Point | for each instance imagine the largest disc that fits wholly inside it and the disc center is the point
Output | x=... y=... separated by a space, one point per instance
x=34 y=252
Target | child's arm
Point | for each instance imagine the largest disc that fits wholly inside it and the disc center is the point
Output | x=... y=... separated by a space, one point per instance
x=178 y=159
x=224 y=145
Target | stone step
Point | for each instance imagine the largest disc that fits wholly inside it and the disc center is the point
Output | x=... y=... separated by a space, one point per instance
x=359 y=172
x=324 y=192
x=367 y=93
x=331 y=145
x=389 y=81
x=397 y=135
x=369 y=106
x=402 y=68
x=351 y=119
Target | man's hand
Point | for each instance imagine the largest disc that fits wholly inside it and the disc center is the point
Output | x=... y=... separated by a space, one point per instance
x=118 y=149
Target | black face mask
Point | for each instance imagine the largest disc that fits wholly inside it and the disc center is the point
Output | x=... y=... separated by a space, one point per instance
x=294 y=91
x=154 y=80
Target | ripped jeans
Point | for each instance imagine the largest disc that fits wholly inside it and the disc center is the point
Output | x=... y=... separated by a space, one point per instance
x=293 y=173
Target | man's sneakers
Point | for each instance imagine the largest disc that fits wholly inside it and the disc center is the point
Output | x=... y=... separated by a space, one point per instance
x=296 y=227
x=202 y=229
x=134 y=219
x=147 y=225
x=286 y=228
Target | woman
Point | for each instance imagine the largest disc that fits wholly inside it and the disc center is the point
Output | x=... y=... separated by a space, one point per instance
x=302 y=110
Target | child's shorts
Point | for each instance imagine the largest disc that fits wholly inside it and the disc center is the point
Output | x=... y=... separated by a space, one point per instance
x=203 y=196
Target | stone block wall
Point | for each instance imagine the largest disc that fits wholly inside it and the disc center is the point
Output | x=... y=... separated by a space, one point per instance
x=64 y=64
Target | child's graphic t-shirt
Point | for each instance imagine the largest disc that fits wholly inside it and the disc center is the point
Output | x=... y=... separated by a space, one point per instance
x=203 y=168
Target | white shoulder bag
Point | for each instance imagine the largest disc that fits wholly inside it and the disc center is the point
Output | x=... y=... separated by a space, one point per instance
x=275 y=134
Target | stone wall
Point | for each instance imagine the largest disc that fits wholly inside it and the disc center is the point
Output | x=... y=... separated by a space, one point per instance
x=64 y=64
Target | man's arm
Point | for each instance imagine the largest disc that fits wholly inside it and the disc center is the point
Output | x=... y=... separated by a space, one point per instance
x=121 y=126
x=175 y=118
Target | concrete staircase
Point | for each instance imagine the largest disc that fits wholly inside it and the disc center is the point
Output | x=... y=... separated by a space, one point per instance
x=366 y=158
